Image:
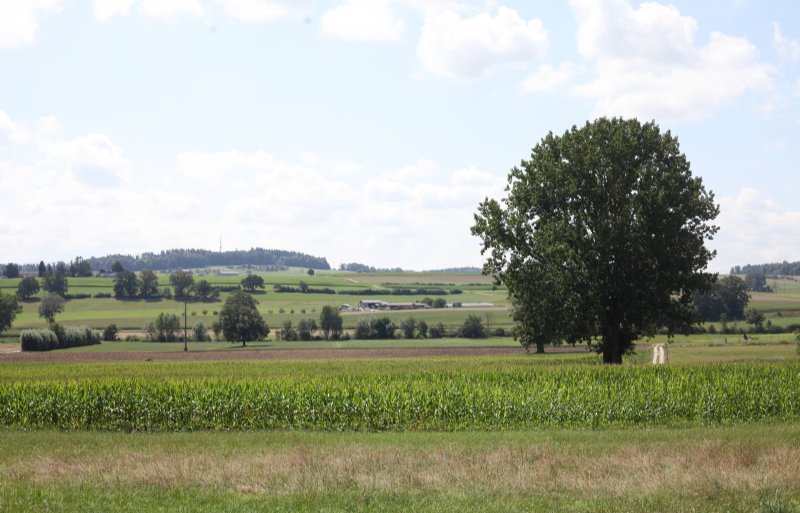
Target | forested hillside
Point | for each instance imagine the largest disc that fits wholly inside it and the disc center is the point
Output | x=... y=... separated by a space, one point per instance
x=194 y=258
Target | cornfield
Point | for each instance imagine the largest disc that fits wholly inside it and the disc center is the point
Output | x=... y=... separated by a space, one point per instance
x=576 y=397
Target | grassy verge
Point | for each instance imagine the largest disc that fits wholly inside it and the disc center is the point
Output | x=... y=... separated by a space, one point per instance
x=745 y=468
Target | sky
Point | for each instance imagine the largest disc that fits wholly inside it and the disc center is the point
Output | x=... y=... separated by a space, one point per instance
x=370 y=130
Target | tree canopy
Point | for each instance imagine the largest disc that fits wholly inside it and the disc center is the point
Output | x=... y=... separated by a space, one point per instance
x=50 y=305
x=330 y=322
x=9 y=308
x=610 y=217
x=240 y=319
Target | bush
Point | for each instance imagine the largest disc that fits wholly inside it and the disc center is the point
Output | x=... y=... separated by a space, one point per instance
x=58 y=337
x=38 y=340
x=499 y=332
x=437 y=331
x=110 y=333
x=473 y=327
x=102 y=295
x=77 y=336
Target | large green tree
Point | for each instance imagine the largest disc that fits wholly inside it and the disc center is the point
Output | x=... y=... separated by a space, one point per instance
x=240 y=319
x=9 y=308
x=609 y=216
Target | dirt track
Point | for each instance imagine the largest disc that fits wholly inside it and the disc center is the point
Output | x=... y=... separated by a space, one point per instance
x=273 y=354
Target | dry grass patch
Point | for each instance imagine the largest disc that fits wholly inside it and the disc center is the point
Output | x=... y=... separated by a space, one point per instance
x=535 y=469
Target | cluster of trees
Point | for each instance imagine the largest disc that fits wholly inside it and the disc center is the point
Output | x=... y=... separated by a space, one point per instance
x=725 y=300
x=775 y=269
x=400 y=291
x=197 y=258
x=330 y=324
x=382 y=328
x=355 y=267
x=128 y=285
x=757 y=283
x=11 y=270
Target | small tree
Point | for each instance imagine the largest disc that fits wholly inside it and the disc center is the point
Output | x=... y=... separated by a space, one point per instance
x=148 y=283
x=181 y=283
x=216 y=327
x=473 y=327
x=251 y=282
x=287 y=331
x=110 y=333
x=199 y=332
x=55 y=281
x=116 y=267
x=240 y=319
x=422 y=328
x=42 y=269
x=306 y=329
x=756 y=318
x=11 y=270
x=50 y=306
x=303 y=286
x=203 y=290
x=310 y=272
x=27 y=287
x=437 y=331
x=167 y=325
x=126 y=285
x=9 y=308
x=408 y=327
x=150 y=331
x=439 y=303
x=330 y=322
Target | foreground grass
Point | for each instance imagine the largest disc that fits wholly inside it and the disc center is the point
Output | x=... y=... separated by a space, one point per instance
x=745 y=468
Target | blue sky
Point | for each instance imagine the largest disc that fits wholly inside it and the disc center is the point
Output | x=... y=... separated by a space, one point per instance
x=369 y=130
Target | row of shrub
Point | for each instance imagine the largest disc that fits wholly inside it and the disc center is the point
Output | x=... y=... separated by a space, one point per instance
x=58 y=337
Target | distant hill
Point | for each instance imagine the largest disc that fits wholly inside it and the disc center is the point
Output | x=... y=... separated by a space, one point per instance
x=784 y=269
x=195 y=258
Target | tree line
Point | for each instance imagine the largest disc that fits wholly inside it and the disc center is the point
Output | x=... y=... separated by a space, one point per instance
x=774 y=269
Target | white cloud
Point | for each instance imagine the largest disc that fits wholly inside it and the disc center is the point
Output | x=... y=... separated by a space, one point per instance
x=92 y=159
x=166 y=10
x=646 y=62
x=263 y=10
x=10 y=132
x=548 y=78
x=19 y=20
x=755 y=229
x=104 y=10
x=786 y=48
x=160 y=10
x=363 y=20
x=454 y=47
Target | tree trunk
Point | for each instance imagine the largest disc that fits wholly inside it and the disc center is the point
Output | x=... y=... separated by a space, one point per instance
x=244 y=343
x=539 y=347
x=612 y=348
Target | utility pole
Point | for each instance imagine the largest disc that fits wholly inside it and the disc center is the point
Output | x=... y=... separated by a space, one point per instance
x=185 y=346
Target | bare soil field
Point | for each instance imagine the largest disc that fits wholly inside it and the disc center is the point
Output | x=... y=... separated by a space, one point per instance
x=274 y=354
